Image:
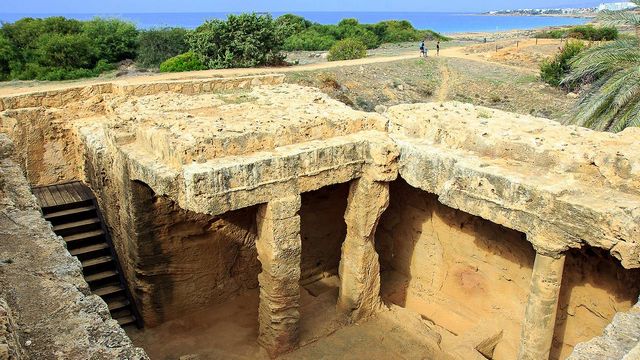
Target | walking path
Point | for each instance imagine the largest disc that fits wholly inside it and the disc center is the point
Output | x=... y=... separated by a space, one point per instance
x=456 y=52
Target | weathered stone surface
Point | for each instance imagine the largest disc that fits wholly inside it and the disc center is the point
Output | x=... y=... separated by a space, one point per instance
x=279 y=252
x=43 y=285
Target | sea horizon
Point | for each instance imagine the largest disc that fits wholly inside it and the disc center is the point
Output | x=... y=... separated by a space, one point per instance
x=443 y=22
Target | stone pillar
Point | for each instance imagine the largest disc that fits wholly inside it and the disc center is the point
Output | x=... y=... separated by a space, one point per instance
x=359 y=265
x=279 y=251
x=540 y=314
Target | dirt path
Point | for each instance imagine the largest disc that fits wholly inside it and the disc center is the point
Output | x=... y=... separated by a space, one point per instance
x=456 y=52
x=445 y=75
x=28 y=87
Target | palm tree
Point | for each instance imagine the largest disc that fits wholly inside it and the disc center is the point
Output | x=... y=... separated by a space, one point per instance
x=613 y=101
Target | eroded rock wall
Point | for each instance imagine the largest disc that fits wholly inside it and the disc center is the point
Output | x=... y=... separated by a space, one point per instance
x=42 y=283
x=175 y=261
x=594 y=288
x=456 y=269
x=187 y=262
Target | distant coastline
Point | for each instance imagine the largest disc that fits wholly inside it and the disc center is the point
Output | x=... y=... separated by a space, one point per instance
x=447 y=23
x=576 y=16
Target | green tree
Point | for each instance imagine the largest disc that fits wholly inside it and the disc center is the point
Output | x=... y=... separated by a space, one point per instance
x=24 y=35
x=613 y=101
x=7 y=55
x=113 y=39
x=246 y=40
x=291 y=25
x=158 y=45
x=67 y=51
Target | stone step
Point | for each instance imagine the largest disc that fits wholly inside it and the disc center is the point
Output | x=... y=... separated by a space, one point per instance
x=68 y=212
x=101 y=275
x=97 y=261
x=108 y=290
x=76 y=224
x=83 y=236
x=88 y=249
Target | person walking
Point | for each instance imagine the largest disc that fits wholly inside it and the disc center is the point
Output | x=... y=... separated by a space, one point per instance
x=422 y=49
x=438 y=48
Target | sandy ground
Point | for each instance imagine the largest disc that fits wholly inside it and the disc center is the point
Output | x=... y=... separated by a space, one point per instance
x=230 y=330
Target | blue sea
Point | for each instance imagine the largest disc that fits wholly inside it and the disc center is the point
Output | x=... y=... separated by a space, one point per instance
x=441 y=22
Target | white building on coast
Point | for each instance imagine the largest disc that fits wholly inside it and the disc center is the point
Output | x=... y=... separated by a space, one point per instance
x=617 y=6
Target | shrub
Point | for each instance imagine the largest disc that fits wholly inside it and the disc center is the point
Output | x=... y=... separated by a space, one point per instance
x=189 y=61
x=246 y=40
x=584 y=32
x=347 y=49
x=59 y=49
x=65 y=51
x=432 y=35
x=103 y=66
x=291 y=25
x=554 y=70
x=114 y=40
x=309 y=40
x=158 y=45
x=316 y=37
x=24 y=34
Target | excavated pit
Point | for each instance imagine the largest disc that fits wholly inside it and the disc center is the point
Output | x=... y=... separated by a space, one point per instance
x=256 y=220
x=469 y=276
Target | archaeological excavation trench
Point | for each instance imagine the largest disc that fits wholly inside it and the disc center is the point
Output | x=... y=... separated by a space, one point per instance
x=245 y=218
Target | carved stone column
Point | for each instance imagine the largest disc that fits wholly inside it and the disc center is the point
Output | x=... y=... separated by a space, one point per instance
x=279 y=251
x=540 y=314
x=359 y=265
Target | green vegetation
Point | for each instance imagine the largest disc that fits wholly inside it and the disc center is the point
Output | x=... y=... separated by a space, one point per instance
x=316 y=37
x=612 y=103
x=113 y=40
x=552 y=71
x=583 y=32
x=245 y=40
x=57 y=48
x=188 y=61
x=158 y=45
x=347 y=49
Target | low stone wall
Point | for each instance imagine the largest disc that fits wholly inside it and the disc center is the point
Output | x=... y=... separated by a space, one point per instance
x=58 y=98
x=58 y=317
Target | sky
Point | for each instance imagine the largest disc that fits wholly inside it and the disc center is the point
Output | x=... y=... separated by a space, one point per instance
x=154 y=6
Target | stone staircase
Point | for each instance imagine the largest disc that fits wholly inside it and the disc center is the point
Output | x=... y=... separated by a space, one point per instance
x=73 y=211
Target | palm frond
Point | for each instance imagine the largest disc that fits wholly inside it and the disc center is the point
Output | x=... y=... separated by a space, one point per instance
x=629 y=117
x=613 y=18
x=604 y=58
x=605 y=107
